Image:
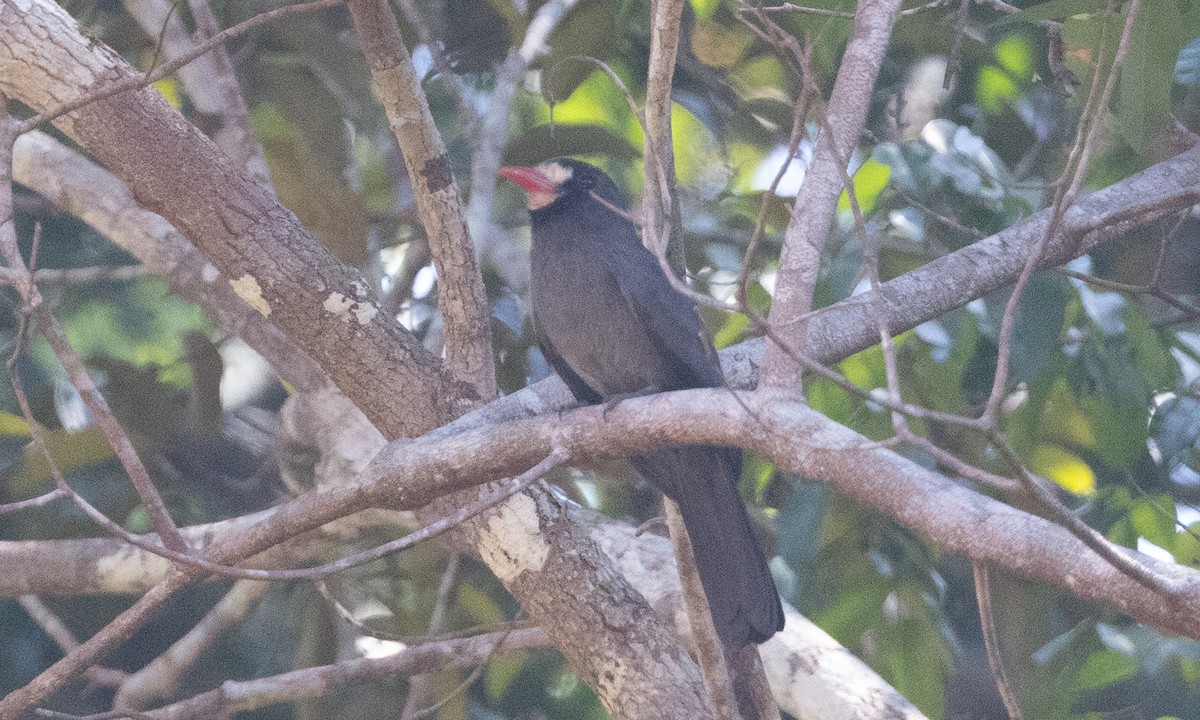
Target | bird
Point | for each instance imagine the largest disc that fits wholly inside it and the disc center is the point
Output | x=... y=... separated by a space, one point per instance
x=611 y=325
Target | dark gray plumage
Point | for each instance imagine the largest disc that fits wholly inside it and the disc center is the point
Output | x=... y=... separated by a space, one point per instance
x=610 y=324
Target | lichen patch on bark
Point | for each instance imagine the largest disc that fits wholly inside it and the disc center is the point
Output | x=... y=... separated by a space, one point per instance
x=249 y=290
x=347 y=309
x=511 y=542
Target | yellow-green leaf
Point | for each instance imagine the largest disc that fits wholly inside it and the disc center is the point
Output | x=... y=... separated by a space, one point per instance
x=869 y=181
x=1065 y=468
x=12 y=425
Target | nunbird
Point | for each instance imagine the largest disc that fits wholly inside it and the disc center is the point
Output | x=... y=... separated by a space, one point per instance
x=610 y=324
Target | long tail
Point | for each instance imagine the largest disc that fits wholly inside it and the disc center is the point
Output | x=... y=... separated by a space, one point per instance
x=703 y=481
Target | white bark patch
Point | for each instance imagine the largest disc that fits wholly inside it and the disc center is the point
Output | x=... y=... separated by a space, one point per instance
x=249 y=290
x=348 y=309
x=511 y=543
x=338 y=304
x=210 y=274
x=364 y=312
x=127 y=568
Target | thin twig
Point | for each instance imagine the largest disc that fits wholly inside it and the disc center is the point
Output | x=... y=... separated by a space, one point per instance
x=39 y=501
x=1065 y=198
x=466 y=683
x=991 y=640
x=419 y=687
x=136 y=82
x=100 y=273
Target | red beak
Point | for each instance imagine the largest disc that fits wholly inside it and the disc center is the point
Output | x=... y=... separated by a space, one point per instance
x=529 y=178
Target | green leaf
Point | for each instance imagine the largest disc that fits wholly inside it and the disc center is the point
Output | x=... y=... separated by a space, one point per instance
x=731 y=331
x=1065 y=468
x=1144 y=108
x=1015 y=54
x=501 y=672
x=1053 y=10
x=546 y=141
x=704 y=8
x=1154 y=519
x=869 y=181
x=1105 y=668
x=587 y=30
x=995 y=89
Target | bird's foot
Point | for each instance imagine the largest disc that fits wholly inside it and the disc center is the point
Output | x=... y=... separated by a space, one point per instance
x=573 y=405
x=650 y=524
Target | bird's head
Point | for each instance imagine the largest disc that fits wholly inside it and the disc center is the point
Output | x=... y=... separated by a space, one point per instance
x=562 y=182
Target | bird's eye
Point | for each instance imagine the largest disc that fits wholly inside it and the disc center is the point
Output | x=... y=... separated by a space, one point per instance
x=587 y=182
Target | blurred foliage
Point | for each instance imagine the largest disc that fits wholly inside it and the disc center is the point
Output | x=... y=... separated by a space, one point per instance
x=1103 y=401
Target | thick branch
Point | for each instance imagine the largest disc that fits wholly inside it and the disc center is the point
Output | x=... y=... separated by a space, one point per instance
x=272 y=261
x=800 y=259
x=796 y=438
x=461 y=295
x=92 y=194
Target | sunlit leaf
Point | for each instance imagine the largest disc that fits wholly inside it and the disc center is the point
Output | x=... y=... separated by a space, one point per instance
x=697 y=153
x=596 y=101
x=995 y=89
x=1063 y=467
x=1104 y=668
x=731 y=331
x=1015 y=54
x=869 y=181
x=13 y=425
x=169 y=88
x=704 y=8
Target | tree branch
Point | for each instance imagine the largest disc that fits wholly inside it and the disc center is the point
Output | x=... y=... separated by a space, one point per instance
x=92 y=194
x=461 y=296
x=272 y=262
x=800 y=259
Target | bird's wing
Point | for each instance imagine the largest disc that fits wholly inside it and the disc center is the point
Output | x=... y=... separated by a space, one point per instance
x=670 y=319
x=580 y=389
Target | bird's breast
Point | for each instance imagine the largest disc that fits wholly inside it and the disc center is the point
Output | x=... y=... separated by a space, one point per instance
x=581 y=312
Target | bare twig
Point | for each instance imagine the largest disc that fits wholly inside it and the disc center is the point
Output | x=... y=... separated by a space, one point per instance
x=461 y=295
x=43 y=499
x=419 y=686
x=159 y=679
x=136 y=82
x=991 y=639
x=115 y=434
x=492 y=135
x=100 y=273
x=817 y=200
x=466 y=683
x=57 y=338
x=239 y=696
x=53 y=626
